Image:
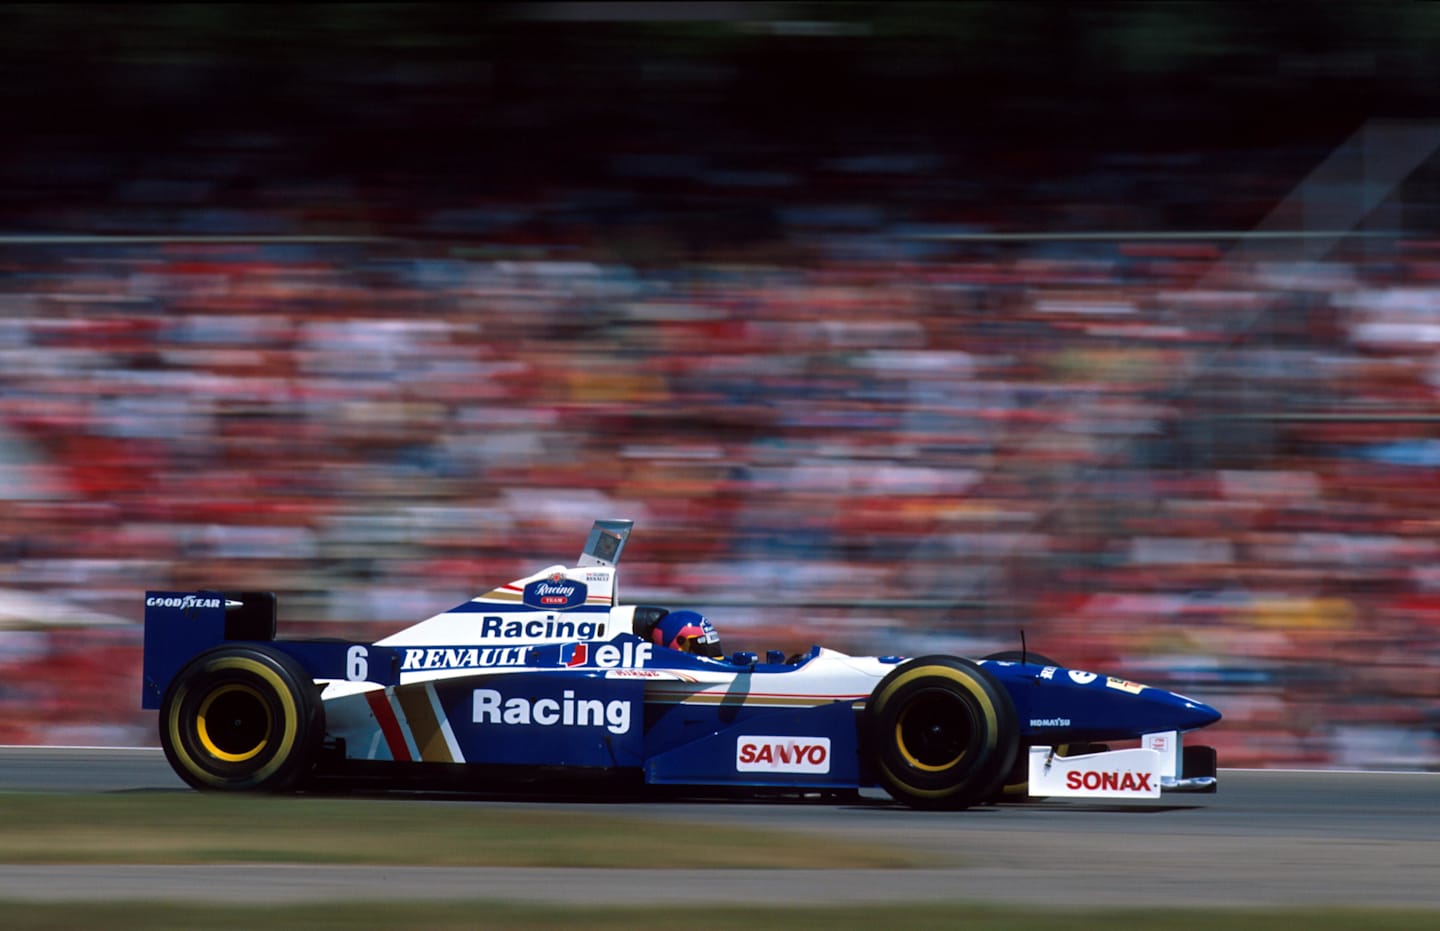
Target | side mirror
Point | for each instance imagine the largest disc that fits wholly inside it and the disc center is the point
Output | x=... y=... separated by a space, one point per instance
x=741 y=658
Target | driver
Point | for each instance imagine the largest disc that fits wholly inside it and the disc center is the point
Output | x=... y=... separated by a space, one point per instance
x=689 y=632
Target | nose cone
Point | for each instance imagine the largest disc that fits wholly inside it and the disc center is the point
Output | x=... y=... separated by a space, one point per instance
x=1193 y=714
x=1157 y=709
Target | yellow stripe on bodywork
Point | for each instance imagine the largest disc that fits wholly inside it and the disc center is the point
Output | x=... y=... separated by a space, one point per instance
x=425 y=725
x=725 y=698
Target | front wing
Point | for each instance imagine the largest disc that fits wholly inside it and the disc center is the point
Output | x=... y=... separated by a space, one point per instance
x=1159 y=763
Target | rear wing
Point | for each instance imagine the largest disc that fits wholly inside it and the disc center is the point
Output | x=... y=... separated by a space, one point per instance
x=555 y=604
x=178 y=625
x=605 y=543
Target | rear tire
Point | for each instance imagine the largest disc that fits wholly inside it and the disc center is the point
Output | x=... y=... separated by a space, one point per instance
x=943 y=733
x=242 y=718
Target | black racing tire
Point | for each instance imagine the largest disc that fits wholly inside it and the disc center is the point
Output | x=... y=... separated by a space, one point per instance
x=1016 y=785
x=943 y=733
x=242 y=718
x=1198 y=761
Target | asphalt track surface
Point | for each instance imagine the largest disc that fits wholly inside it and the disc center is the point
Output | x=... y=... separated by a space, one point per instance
x=1267 y=838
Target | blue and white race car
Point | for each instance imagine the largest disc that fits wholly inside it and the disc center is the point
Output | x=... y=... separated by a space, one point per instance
x=547 y=677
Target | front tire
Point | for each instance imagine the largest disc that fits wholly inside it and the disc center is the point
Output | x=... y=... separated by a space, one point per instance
x=1015 y=786
x=943 y=732
x=241 y=718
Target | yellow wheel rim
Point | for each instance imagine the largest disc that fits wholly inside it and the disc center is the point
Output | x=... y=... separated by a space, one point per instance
x=910 y=758
x=234 y=696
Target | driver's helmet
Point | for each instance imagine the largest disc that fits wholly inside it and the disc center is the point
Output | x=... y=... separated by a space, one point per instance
x=689 y=632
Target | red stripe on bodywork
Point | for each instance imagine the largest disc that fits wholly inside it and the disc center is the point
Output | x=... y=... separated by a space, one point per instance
x=389 y=726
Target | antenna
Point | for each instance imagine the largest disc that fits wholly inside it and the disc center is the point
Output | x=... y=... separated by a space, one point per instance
x=1023 y=658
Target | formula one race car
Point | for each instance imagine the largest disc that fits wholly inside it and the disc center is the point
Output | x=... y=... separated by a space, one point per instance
x=547 y=677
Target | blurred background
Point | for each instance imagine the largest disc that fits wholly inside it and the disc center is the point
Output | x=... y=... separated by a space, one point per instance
x=899 y=327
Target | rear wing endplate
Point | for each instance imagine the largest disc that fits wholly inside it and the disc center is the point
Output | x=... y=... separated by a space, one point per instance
x=607 y=539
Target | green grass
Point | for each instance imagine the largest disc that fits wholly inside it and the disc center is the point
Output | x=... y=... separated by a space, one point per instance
x=186 y=827
x=470 y=915
x=194 y=827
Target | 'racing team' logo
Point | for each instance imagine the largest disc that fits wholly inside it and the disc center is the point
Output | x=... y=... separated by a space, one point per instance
x=555 y=593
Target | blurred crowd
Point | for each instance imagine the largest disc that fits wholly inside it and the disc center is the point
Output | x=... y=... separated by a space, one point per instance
x=1206 y=471
x=379 y=338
